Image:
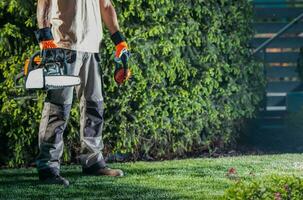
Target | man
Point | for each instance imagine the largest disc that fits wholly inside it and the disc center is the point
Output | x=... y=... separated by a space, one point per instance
x=76 y=27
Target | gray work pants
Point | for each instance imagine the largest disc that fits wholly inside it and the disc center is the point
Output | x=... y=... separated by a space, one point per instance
x=56 y=111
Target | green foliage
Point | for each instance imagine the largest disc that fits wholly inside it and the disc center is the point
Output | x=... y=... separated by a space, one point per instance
x=274 y=187
x=194 y=81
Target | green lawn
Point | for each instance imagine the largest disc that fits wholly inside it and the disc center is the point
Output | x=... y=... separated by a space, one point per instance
x=179 y=179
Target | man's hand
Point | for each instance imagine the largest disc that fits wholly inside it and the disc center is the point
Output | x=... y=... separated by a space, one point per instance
x=44 y=35
x=122 y=55
x=45 y=38
x=120 y=49
x=48 y=44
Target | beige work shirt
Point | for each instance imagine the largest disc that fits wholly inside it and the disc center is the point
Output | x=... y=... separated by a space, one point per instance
x=77 y=24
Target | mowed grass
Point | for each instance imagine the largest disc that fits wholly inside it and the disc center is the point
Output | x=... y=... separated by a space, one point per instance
x=203 y=178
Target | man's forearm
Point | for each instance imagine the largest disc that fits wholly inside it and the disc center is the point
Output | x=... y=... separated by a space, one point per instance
x=43 y=10
x=109 y=16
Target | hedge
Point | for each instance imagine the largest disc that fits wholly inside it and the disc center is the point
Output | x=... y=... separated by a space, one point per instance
x=193 y=88
x=273 y=187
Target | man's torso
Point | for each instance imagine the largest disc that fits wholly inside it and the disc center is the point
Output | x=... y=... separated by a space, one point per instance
x=76 y=24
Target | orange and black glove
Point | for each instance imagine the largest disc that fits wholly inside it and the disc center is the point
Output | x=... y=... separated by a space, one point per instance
x=45 y=38
x=50 y=52
x=122 y=55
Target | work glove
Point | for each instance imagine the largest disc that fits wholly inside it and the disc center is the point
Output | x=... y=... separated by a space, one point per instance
x=53 y=58
x=45 y=38
x=49 y=49
x=122 y=55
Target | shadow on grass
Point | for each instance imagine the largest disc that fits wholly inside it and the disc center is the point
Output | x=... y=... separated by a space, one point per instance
x=25 y=185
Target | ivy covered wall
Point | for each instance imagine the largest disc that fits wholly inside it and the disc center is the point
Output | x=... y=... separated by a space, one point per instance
x=194 y=82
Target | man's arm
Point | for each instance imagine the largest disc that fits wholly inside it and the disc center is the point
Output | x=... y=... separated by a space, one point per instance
x=43 y=10
x=44 y=34
x=109 y=16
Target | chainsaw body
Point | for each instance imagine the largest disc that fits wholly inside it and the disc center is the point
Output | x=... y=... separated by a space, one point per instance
x=47 y=73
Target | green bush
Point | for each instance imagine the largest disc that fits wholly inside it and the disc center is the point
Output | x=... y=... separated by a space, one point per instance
x=274 y=187
x=194 y=82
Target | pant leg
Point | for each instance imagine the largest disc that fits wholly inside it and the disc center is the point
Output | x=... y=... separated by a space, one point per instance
x=91 y=110
x=52 y=125
x=54 y=119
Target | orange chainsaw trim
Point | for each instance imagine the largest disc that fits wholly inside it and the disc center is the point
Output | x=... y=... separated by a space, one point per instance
x=37 y=61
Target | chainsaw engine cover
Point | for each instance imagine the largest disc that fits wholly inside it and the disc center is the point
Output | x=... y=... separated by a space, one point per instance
x=35 y=79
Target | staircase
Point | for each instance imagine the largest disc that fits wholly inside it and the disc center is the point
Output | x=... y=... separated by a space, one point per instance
x=277 y=42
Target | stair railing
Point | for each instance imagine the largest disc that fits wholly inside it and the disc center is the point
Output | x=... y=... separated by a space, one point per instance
x=278 y=34
x=262 y=49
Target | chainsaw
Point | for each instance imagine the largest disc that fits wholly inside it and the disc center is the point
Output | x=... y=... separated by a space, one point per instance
x=46 y=70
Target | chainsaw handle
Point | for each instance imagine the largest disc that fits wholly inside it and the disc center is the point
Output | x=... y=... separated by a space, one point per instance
x=17 y=78
x=32 y=60
x=42 y=54
x=55 y=55
x=23 y=73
